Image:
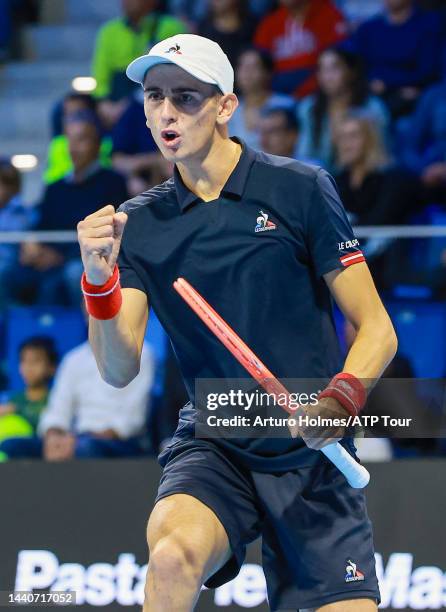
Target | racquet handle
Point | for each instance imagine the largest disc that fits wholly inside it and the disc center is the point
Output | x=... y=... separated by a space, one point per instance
x=355 y=473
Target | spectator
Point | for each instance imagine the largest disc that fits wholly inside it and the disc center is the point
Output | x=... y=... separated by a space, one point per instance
x=253 y=78
x=134 y=149
x=20 y=416
x=118 y=42
x=342 y=87
x=230 y=24
x=279 y=132
x=402 y=51
x=87 y=418
x=59 y=162
x=295 y=34
x=375 y=193
x=53 y=272
x=14 y=216
x=426 y=147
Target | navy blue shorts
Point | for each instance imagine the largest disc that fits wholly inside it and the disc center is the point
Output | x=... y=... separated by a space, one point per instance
x=317 y=545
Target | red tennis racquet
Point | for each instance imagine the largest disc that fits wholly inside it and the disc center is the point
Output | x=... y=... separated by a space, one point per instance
x=356 y=474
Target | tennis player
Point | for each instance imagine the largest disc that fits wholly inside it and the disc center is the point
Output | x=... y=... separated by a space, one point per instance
x=266 y=241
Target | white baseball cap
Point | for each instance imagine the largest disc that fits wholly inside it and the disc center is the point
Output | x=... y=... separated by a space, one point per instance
x=201 y=57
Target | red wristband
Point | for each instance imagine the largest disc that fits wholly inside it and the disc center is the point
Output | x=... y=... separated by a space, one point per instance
x=348 y=391
x=103 y=301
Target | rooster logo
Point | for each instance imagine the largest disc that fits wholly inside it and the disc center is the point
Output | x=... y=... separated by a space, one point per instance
x=263 y=225
x=175 y=49
x=352 y=572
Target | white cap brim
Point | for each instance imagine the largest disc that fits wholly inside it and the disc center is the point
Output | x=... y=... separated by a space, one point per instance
x=137 y=70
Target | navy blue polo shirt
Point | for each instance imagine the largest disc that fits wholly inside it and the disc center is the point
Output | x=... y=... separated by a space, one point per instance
x=258 y=254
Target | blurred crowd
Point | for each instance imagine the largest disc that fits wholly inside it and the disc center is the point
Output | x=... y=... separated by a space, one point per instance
x=356 y=86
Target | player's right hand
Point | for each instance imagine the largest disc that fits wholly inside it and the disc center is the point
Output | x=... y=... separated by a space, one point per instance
x=99 y=237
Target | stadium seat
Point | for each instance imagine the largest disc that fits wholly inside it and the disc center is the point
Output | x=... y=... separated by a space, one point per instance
x=421 y=329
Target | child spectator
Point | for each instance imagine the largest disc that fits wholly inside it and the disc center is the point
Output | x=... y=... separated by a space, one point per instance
x=230 y=24
x=118 y=42
x=279 y=132
x=295 y=34
x=402 y=50
x=342 y=87
x=19 y=417
x=86 y=417
x=253 y=78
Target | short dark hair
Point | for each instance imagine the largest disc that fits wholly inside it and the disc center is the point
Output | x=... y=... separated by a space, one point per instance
x=289 y=114
x=9 y=175
x=85 y=98
x=42 y=343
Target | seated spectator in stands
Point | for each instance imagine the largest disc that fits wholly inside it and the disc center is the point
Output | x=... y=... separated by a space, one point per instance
x=253 y=79
x=54 y=271
x=59 y=161
x=19 y=417
x=342 y=87
x=402 y=51
x=375 y=193
x=87 y=418
x=426 y=143
x=230 y=24
x=134 y=149
x=295 y=34
x=118 y=42
x=279 y=132
x=14 y=216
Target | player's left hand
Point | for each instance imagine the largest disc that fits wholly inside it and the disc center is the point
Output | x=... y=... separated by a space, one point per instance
x=314 y=436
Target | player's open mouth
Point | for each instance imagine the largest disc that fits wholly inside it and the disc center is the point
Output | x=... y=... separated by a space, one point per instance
x=170 y=138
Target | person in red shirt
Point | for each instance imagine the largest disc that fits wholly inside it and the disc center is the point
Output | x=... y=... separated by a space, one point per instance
x=295 y=34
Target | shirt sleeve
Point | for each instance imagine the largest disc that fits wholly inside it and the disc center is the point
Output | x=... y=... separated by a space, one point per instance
x=330 y=238
x=127 y=273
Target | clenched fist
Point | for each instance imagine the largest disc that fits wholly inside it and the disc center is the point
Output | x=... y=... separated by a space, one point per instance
x=99 y=237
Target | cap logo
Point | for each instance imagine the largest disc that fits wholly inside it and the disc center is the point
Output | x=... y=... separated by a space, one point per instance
x=175 y=49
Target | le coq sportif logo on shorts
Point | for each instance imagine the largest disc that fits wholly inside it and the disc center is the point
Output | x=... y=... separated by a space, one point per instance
x=263 y=223
x=352 y=573
x=174 y=49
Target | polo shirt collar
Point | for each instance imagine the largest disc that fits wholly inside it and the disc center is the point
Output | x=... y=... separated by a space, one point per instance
x=234 y=186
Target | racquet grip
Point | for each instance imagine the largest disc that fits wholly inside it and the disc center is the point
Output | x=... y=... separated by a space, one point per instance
x=355 y=473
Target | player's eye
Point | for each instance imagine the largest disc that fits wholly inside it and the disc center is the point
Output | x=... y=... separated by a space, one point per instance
x=154 y=96
x=185 y=98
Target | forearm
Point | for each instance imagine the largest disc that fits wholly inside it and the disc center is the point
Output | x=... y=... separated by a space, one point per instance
x=373 y=349
x=115 y=349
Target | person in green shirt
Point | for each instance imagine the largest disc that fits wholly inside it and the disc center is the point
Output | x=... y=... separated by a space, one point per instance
x=20 y=415
x=118 y=42
x=59 y=162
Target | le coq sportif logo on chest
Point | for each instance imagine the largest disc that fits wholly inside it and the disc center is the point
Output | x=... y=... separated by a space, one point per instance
x=263 y=223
